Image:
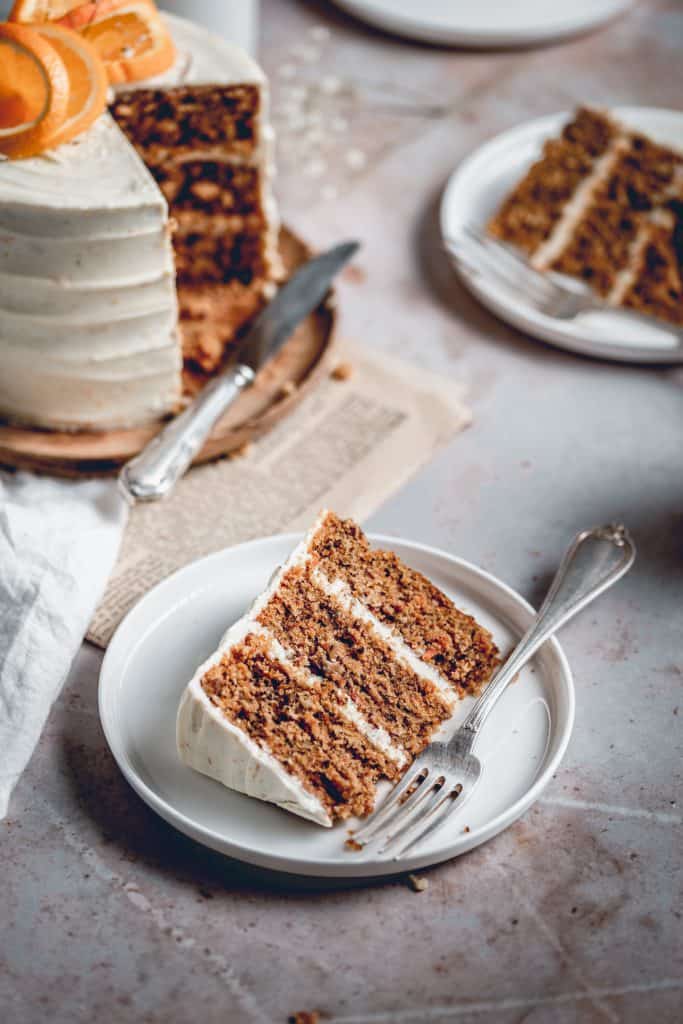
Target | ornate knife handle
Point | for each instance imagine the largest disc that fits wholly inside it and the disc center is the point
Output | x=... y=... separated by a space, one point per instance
x=155 y=471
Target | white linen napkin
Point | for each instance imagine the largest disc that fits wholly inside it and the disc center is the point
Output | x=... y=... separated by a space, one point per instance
x=58 y=544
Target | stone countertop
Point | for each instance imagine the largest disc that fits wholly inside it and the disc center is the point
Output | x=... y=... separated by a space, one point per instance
x=572 y=914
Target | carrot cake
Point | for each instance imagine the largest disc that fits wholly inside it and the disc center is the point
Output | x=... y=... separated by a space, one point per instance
x=604 y=204
x=334 y=680
x=132 y=256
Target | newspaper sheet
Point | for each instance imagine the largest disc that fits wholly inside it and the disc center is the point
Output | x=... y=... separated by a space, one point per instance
x=347 y=446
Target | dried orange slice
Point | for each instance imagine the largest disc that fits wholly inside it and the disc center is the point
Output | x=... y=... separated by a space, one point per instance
x=88 y=82
x=129 y=35
x=34 y=92
x=132 y=41
x=71 y=13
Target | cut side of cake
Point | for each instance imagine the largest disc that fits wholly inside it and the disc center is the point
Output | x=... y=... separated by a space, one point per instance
x=336 y=678
x=113 y=307
x=203 y=133
x=596 y=205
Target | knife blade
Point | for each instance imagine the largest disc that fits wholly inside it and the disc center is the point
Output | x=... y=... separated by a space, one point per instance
x=293 y=302
x=154 y=472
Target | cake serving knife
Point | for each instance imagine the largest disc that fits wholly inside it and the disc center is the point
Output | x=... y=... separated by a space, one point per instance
x=154 y=472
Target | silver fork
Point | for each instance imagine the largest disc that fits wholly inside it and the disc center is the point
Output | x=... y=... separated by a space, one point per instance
x=444 y=776
x=553 y=295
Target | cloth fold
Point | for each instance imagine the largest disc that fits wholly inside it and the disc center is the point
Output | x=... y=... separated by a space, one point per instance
x=58 y=544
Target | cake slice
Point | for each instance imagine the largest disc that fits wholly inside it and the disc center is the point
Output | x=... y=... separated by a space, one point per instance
x=335 y=679
x=600 y=205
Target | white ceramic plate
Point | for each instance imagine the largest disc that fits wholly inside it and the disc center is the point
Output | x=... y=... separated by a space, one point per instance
x=487 y=22
x=157 y=647
x=476 y=189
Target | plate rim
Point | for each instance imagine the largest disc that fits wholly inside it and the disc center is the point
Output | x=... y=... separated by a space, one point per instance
x=536 y=325
x=406 y=27
x=120 y=651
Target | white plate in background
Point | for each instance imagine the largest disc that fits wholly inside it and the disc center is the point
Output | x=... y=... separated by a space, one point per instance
x=485 y=22
x=476 y=189
x=179 y=623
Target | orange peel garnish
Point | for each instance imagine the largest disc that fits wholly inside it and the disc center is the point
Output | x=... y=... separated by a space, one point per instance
x=34 y=92
x=129 y=35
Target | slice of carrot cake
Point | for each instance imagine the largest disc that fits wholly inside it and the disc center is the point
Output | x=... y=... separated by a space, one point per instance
x=603 y=204
x=334 y=680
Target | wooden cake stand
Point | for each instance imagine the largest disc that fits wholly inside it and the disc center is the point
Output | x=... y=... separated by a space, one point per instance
x=278 y=389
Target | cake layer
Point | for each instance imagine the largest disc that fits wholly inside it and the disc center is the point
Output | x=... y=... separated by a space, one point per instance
x=211 y=317
x=301 y=723
x=166 y=123
x=656 y=285
x=529 y=214
x=209 y=151
x=599 y=246
x=408 y=603
x=325 y=639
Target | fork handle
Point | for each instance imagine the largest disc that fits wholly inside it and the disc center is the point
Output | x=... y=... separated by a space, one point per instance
x=595 y=560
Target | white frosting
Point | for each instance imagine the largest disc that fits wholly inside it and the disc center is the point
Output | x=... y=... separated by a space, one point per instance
x=88 y=308
x=208 y=742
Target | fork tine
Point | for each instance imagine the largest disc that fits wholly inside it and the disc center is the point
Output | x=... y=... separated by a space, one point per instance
x=407 y=823
x=412 y=808
x=449 y=804
x=478 y=257
x=385 y=811
x=504 y=260
x=513 y=260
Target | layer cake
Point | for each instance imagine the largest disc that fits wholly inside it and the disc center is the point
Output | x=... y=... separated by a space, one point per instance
x=132 y=257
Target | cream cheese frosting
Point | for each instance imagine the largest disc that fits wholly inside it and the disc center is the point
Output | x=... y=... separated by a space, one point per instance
x=211 y=744
x=88 y=309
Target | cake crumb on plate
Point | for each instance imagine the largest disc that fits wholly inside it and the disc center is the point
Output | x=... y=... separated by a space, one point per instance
x=342 y=371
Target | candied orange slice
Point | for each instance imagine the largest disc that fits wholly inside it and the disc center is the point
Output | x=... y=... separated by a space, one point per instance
x=88 y=82
x=132 y=41
x=129 y=35
x=72 y=13
x=34 y=92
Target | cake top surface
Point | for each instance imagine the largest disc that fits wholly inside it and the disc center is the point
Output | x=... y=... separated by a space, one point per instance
x=100 y=170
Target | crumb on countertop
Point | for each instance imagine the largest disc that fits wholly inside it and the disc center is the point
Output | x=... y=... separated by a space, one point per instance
x=304 y=1017
x=342 y=371
x=417 y=883
x=241 y=450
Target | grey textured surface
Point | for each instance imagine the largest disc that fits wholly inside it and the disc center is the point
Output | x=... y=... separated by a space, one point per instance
x=574 y=913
